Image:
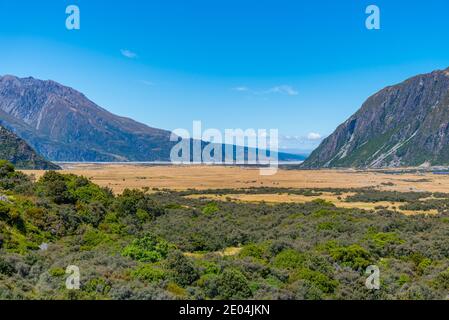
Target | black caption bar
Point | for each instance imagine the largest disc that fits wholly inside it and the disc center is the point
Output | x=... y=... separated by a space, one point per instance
x=129 y=310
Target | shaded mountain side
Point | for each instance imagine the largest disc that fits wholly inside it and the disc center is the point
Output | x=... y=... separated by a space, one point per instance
x=18 y=152
x=63 y=125
x=402 y=125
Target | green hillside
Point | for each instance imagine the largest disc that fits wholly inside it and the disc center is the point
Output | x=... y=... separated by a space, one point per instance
x=17 y=151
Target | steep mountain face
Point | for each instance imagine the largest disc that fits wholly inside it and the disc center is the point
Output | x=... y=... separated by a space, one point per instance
x=17 y=151
x=402 y=125
x=63 y=125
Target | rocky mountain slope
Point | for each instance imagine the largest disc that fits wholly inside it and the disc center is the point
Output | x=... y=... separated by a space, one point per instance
x=17 y=151
x=63 y=125
x=402 y=125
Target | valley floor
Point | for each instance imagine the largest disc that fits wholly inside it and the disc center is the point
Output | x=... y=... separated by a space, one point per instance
x=121 y=176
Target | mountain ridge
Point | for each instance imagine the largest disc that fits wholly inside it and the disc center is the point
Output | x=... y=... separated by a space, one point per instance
x=406 y=124
x=63 y=125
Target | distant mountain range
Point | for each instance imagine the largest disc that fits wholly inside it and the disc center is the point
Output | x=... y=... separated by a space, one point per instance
x=63 y=125
x=402 y=125
x=17 y=151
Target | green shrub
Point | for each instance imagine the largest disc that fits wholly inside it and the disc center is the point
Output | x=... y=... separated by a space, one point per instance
x=14 y=180
x=92 y=238
x=176 y=290
x=209 y=283
x=318 y=279
x=56 y=272
x=442 y=280
x=328 y=225
x=131 y=201
x=208 y=267
x=322 y=202
x=97 y=286
x=12 y=217
x=353 y=256
x=289 y=259
x=403 y=279
x=91 y=193
x=257 y=251
x=371 y=195
x=232 y=284
x=423 y=265
x=92 y=213
x=182 y=270
x=210 y=208
x=4 y=211
x=6 y=169
x=54 y=185
x=36 y=216
x=147 y=249
x=6 y=268
x=149 y=273
x=383 y=239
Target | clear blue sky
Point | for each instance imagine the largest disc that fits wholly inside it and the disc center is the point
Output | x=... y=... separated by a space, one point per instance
x=300 y=66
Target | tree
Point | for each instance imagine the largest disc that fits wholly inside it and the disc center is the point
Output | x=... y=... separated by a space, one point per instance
x=182 y=269
x=232 y=284
x=132 y=201
x=6 y=169
x=54 y=186
x=6 y=267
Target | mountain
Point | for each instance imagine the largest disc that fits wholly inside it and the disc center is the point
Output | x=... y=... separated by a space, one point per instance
x=17 y=151
x=402 y=125
x=63 y=125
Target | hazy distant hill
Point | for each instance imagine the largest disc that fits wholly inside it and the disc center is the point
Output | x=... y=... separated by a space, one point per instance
x=17 y=151
x=402 y=125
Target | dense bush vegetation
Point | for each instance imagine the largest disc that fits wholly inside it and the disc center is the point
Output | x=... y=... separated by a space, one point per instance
x=163 y=245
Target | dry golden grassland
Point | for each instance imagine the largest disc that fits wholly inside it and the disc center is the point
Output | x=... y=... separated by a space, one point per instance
x=121 y=176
